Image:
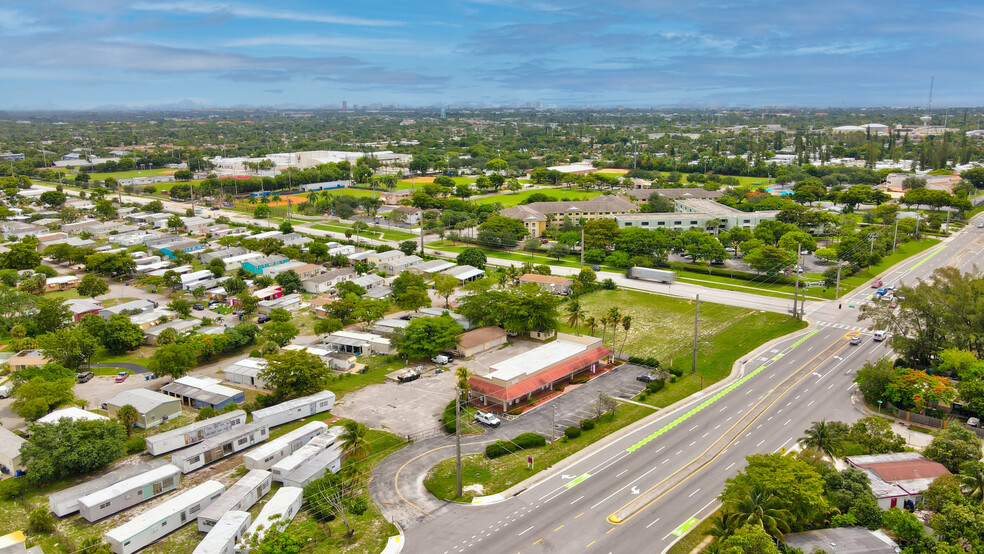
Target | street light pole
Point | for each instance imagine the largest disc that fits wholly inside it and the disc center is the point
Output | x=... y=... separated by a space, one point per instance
x=457 y=439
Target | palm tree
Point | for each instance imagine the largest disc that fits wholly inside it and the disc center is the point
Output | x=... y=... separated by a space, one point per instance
x=614 y=318
x=355 y=445
x=821 y=437
x=463 y=375
x=722 y=525
x=575 y=315
x=760 y=506
x=591 y=323
x=127 y=415
x=626 y=325
x=604 y=328
x=971 y=478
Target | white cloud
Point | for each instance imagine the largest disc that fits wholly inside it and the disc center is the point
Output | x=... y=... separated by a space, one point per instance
x=351 y=44
x=16 y=22
x=248 y=12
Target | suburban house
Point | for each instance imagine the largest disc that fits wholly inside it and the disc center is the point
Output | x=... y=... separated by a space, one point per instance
x=154 y=408
x=306 y=271
x=180 y=326
x=556 y=285
x=26 y=358
x=289 y=302
x=197 y=225
x=326 y=281
x=269 y=293
x=411 y=215
x=380 y=257
x=899 y=477
x=535 y=215
x=431 y=267
x=222 y=254
x=134 y=306
x=277 y=269
x=185 y=246
x=295 y=239
x=396 y=266
x=189 y=281
x=80 y=307
x=61 y=282
x=369 y=281
x=517 y=379
x=479 y=340
x=10 y=457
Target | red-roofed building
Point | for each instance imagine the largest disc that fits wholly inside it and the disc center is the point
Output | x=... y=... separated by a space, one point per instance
x=521 y=377
x=899 y=477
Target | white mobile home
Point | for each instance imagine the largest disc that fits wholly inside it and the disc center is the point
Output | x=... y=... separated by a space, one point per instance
x=66 y=501
x=225 y=534
x=315 y=467
x=129 y=492
x=279 y=511
x=163 y=519
x=282 y=469
x=265 y=455
x=220 y=446
x=196 y=432
x=292 y=410
x=241 y=496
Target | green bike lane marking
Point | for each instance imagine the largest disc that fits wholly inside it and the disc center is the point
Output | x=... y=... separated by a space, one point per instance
x=578 y=480
x=685 y=527
x=712 y=399
x=927 y=258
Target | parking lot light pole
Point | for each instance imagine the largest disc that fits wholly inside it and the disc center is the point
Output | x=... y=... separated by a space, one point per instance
x=457 y=438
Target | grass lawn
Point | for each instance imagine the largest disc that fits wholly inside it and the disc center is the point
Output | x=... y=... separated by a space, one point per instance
x=509 y=199
x=130 y=174
x=726 y=334
x=374 y=232
x=689 y=542
x=902 y=252
x=512 y=255
x=377 y=368
x=499 y=474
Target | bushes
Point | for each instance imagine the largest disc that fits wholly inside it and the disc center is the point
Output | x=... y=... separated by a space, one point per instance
x=134 y=445
x=587 y=424
x=522 y=442
x=357 y=505
x=447 y=418
x=12 y=488
x=580 y=379
x=40 y=520
x=572 y=432
x=655 y=386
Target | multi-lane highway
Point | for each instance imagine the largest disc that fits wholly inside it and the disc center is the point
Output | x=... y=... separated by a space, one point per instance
x=644 y=490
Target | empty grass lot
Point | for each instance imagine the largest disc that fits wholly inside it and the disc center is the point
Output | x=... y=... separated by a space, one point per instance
x=509 y=199
x=663 y=327
x=388 y=234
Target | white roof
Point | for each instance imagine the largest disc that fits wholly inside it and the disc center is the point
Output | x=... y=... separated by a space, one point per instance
x=122 y=487
x=161 y=511
x=271 y=447
x=368 y=337
x=320 y=352
x=75 y=414
x=247 y=366
x=223 y=532
x=236 y=492
x=532 y=361
x=10 y=443
x=196 y=276
x=61 y=279
x=207 y=384
x=465 y=275
x=292 y=404
x=160 y=437
x=142 y=399
x=435 y=266
x=276 y=506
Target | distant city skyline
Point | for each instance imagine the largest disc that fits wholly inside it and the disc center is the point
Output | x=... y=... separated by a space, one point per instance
x=90 y=54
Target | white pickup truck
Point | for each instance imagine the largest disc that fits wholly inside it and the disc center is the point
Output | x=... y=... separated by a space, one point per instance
x=486 y=418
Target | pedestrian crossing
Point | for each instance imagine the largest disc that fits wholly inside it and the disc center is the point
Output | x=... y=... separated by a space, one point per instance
x=841 y=326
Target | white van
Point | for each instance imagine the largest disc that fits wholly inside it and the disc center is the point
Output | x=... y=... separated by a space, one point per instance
x=4 y=391
x=879 y=336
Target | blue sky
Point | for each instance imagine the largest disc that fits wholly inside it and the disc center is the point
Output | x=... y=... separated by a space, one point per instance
x=88 y=53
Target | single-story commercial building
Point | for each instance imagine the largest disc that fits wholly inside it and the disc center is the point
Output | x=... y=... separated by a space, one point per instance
x=203 y=392
x=154 y=408
x=10 y=457
x=556 y=285
x=898 y=477
x=481 y=339
x=357 y=343
x=516 y=380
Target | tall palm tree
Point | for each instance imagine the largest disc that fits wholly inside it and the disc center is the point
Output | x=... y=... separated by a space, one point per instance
x=575 y=315
x=604 y=328
x=759 y=505
x=626 y=325
x=971 y=478
x=591 y=323
x=821 y=437
x=463 y=375
x=614 y=318
x=722 y=525
x=355 y=444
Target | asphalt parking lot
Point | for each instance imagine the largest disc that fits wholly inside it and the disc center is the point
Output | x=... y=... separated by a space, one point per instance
x=402 y=408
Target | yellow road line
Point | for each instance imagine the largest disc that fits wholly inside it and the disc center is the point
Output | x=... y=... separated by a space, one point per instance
x=559 y=528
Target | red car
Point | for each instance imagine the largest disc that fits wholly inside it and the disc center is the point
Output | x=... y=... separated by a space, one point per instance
x=877 y=284
x=121 y=376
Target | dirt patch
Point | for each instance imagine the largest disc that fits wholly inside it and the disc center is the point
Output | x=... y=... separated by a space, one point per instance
x=294 y=200
x=421 y=179
x=169 y=172
x=615 y=171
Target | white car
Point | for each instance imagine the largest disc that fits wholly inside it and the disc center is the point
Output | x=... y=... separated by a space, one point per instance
x=879 y=336
x=486 y=418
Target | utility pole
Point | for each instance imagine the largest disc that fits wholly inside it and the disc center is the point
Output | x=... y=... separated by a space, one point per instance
x=872 y=250
x=693 y=364
x=582 y=247
x=422 y=239
x=797 y=290
x=553 y=423
x=895 y=237
x=457 y=437
x=837 y=291
x=947 y=220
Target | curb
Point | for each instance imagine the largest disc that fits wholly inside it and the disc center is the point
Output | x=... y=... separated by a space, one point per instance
x=395 y=543
x=490 y=499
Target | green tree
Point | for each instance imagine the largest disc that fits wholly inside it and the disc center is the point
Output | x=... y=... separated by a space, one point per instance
x=33 y=284
x=181 y=306
x=410 y=291
x=355 y=441
x=518 y=310
x=127 y=415
x=759 y=506
x=289 y=282
x=174 y=359
x=110 y=265
x=474 y=257
x=92 y=286
x=69 y=346
x=120 y=335
x=444 y=285
x=328 y=326
x=575 y=314
x=21 y=255
x=408 y=247
x=820 y=437
x=770 y=260
x=280 y=332
x=53 y=198
x=749 y=539
x=905 y=526
x=40 y=520
x=944 y=490
x=261 y=212
x=954 y=446
x=217 y=267
x=70 y=448
x=247 y=302
x=971 y=477
x=800 y=484
x=426 y=336
x=497 y=164
x=295 y=373
x=37 y=397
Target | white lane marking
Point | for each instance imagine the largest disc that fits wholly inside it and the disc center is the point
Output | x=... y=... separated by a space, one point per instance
x=678 y=453
x=664 y=461
x=716 y=428
x=693 y=443
x=620 y=474
x=730 y=466
x=653 y=523
x=781 y=446
x=704 y=435
x=760 y=443
x=811 y=403
x=787 y=422
x=576 y=499
x=527 y=529
x=692 y=428
x=831 y=386
x=770 y=418
x=723 y=408
x=729 y=419
x=693 y=493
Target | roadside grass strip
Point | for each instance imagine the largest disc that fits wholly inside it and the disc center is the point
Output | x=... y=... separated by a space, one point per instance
x=578 y=480
x=685 y=526
x=712 y=399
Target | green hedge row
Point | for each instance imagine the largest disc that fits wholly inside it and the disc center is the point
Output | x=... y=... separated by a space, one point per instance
x=522 y=442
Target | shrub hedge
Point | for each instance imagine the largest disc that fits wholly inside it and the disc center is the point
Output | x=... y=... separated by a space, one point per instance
x=572 y=432
x=521 y=442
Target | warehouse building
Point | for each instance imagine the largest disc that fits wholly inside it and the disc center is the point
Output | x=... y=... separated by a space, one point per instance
x=480 y=340
x=163 y=519
x=246 y=372
x=154 y=408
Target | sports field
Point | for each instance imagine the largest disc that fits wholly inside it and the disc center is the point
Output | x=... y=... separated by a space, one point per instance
x=509 y=199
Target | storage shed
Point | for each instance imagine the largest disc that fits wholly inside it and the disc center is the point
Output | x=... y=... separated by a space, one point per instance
x=203 y=392
x=265 y=455
x=196 y=432
x=279 y=512
x=163 y=519
x=241 y=496
x=246 y=372
x=10 y=458
x=154 y=408
x=225 y=534
x=66 y=501
x=129 y=492
x=293 y=410
x=220 y=446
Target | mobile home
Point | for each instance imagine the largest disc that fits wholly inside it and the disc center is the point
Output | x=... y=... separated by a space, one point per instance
x=279 y=511
x=292 y=410
x=163 y=519
x=66 y=501
x=129 y=492
x=264 y=456
x=315 y=467
x=196 y=432
x=282 y=469
x=240 y=497
x=225 y=534
x=220 y=446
